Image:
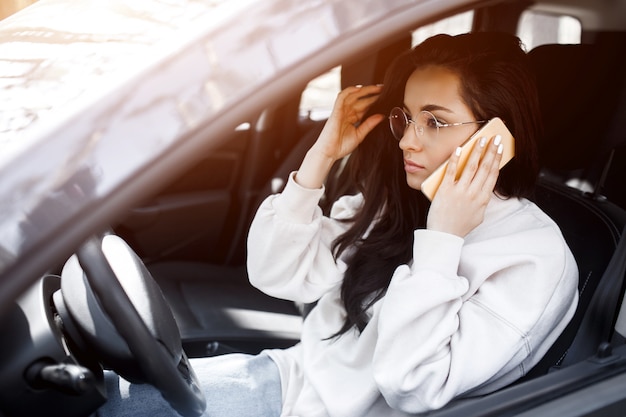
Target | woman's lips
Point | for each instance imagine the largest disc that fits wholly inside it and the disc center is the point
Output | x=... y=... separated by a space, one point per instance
x=412 y=167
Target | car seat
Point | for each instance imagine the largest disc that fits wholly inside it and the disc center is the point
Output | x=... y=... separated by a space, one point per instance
x=581 y=88
x=579 y=110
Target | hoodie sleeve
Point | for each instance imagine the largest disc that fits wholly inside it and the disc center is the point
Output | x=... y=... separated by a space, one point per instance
x=455 y=334
x=289 y=244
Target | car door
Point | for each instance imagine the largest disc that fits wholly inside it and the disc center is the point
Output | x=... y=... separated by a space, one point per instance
x=204 y=214
x=186 y=219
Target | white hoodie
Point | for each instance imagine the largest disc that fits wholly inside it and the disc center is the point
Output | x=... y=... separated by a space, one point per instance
x=465 y=317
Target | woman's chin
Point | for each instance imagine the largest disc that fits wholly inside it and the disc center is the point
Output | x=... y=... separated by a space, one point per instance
x=414 y=181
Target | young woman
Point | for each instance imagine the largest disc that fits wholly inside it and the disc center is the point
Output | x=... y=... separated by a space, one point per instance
x=418 y=303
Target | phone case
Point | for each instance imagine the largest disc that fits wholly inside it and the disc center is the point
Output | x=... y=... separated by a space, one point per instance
x=494 y=127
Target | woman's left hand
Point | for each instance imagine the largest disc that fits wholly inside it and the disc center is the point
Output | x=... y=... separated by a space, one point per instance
x=459 y=205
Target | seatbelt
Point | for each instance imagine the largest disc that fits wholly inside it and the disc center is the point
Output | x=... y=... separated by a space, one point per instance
x=597 y=325
x=620 y=323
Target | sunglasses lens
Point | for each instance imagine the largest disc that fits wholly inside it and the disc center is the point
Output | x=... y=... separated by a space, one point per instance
x=397 y=122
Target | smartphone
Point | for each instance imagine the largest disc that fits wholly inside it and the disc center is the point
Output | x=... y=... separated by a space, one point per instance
x=492 y=128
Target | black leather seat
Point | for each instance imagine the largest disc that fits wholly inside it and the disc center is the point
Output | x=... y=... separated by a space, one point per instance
x=580 y=86
x=578 y=109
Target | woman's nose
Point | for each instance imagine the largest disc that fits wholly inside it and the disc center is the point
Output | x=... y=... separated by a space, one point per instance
x=410 y=141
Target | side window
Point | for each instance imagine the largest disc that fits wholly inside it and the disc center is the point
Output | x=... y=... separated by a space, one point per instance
x=319 y=95
x=537 y=28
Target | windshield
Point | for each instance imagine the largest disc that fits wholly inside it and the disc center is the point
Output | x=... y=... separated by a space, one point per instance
x=104 y=101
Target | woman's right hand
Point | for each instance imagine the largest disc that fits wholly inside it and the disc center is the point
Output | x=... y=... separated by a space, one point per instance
x=459 y=205
x=341 y=134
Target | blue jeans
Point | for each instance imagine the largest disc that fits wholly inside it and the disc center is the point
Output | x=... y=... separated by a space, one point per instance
x=235 y=385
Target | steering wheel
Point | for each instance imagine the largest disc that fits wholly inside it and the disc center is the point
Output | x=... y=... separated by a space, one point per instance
x=116 y=312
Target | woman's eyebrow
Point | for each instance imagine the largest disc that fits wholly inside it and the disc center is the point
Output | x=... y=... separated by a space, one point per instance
x=436 y=107
x=430 y=108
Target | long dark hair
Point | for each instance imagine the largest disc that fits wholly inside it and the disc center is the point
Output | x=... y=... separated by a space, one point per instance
x=496 y=80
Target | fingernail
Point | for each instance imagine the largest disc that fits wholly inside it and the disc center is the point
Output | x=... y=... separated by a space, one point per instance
x=359 y=85
x=500 y=148
x=458 y=151
x=497 y=140
x=482 y=142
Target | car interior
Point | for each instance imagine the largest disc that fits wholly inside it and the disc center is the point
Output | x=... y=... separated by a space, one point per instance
x=204 y=276
x=192 y=234
x=580 y=187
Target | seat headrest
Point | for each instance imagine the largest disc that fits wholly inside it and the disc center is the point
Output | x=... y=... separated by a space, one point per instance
x=579 y=88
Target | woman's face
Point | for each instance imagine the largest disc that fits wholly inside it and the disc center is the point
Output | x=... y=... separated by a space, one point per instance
x=436 y=90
